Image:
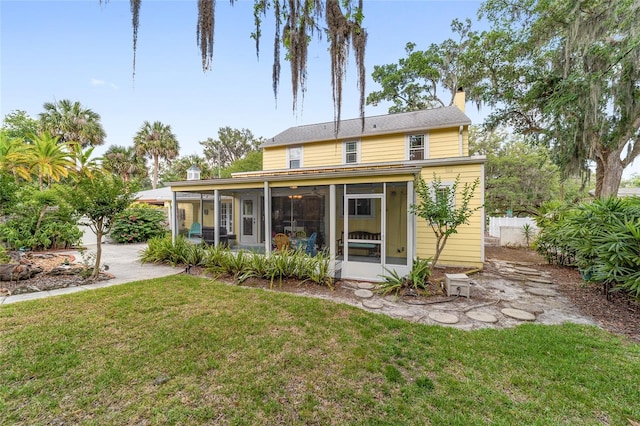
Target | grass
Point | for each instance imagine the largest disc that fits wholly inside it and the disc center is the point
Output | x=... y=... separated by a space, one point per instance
x=186 y=350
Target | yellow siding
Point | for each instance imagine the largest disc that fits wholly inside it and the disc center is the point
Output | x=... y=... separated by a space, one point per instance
x=444 y=143
x=274 y=158
x=465 y=142
x=322 y=154
x=465 y=247
x=342 y=180
x=380 y=149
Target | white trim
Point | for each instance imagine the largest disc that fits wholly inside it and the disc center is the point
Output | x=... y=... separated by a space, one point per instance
x=216 y=217
x=358 y=151
x=407 y=146
x=411 y=224
x=289 y=149
x=267 y=218
x=449 y=185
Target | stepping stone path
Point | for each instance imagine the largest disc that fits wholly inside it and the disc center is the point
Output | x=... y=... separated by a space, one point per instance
x=539 y=280
x=482 y=316
x=444 y=318
x=518 y=314
x=534 y=309
x=526 y=271
x=366 y=286
x=372 y=304
x=363 y=294
x=541 y=292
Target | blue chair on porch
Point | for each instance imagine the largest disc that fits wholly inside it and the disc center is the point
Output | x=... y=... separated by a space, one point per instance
x=311 y=244
x=195 y=230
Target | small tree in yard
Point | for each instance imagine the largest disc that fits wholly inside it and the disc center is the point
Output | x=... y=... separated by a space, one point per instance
x=437 y=205
x=99 y=200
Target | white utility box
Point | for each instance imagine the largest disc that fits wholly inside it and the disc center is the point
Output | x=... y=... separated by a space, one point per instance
x=457 y=284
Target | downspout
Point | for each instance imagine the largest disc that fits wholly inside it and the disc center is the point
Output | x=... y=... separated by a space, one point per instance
x=460 y=139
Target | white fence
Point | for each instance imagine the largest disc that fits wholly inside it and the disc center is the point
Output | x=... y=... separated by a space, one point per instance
x=495 y=223
x=510 y=230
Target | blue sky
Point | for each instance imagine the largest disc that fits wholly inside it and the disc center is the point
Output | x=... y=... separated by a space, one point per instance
x=82 y=51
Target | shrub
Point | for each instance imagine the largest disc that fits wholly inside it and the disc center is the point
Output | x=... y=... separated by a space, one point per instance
x=242 y=265
x=601 y=238
x=139 y=223
x=416 y=279
x=40 y=220
x=4 y=257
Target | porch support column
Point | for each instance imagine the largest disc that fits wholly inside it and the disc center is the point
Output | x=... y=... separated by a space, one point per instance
x=332 y=222
x=411 y=225
x=201 y=219
x=173 y=220
x=267 y=219
x=216 y=217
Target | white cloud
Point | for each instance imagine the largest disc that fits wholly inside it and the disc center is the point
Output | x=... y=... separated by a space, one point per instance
x=95 y=82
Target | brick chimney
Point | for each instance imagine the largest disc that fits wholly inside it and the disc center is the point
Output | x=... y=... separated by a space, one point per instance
x=459 y=99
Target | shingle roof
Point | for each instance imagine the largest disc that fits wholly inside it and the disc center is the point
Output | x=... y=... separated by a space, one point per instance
x=436 y=118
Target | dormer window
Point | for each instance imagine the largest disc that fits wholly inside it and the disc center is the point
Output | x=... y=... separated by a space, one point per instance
x=294 y=157
x=351 y=152
x=417 y=147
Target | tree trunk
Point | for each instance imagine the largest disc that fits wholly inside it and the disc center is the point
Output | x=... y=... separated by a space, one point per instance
x=96 y=268
x=156 y=165
x=609 y=170
x=441 y=241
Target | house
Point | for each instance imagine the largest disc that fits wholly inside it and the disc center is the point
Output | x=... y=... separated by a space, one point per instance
x=353 y=191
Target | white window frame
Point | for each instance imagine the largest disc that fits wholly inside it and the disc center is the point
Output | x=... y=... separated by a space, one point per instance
x=425 y=140
x=226 y=215
x=358 y=151
x=356 y=215
x=443 y=185
x=290 y=159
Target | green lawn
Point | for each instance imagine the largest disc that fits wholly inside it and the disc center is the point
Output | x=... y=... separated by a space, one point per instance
x=185 y=350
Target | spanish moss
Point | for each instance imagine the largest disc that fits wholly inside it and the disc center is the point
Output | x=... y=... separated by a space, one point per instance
x=204 y=31
x=300 y=18
x=135 y=21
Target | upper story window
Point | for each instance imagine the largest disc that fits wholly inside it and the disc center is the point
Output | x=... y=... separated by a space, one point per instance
x=351 y=152
x=294 y=157
x=417 y=147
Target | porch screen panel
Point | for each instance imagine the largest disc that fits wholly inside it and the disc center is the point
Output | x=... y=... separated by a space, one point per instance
x=396 y=229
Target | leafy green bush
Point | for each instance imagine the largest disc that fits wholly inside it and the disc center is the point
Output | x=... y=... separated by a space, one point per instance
x=4 y=257
x=242 y=265
x=552 y=242
x=138 y=224
x=601 y=238
x=40 y=220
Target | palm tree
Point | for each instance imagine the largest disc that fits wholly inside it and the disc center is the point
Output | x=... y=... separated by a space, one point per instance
x=85 y=165
x=12 y=157
x=124 y=162
x=48 y=159
x=72 y=123
x=156 y=141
